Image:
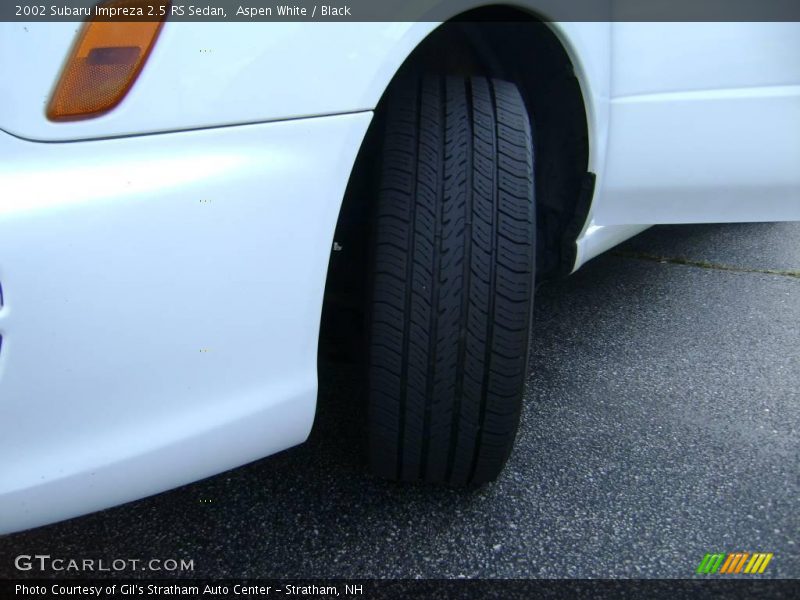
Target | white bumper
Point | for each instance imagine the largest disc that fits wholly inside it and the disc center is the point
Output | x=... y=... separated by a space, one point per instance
x=161 y=306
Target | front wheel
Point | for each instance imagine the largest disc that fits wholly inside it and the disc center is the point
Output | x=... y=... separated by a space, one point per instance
x=451 y=280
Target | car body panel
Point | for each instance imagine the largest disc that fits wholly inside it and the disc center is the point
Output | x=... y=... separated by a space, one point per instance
x=161 y=306
x=705 y=122
x=202 y=75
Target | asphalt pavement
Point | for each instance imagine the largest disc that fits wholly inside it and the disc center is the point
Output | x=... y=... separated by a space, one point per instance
x=661 y=423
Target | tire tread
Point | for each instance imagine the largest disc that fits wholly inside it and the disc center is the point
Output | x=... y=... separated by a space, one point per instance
x=452 y=283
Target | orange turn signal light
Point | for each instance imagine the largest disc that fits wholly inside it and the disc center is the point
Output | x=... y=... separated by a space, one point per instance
x=106 y=59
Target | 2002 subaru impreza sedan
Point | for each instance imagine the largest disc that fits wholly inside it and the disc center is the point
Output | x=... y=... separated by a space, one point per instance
x=178 y=201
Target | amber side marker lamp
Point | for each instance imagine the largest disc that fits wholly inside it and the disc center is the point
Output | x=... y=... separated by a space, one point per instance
x=106 y=59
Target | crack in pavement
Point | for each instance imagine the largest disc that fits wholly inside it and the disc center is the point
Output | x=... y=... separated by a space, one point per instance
x=702 y=264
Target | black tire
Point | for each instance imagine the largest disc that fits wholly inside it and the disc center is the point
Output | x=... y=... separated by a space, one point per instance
x=452 y=281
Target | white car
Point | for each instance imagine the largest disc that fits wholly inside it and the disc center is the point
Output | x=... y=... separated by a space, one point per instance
x=174 y=200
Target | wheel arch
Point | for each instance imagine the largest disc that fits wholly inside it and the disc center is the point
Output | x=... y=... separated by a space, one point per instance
x=504 y=42
x=544 y=59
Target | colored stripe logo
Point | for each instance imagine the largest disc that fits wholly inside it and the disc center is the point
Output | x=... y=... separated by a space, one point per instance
x=734 y=563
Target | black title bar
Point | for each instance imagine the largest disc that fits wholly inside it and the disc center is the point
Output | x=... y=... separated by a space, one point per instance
x=391 y=10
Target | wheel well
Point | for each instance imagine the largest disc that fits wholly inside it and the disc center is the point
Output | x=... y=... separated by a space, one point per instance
x=503 y=43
